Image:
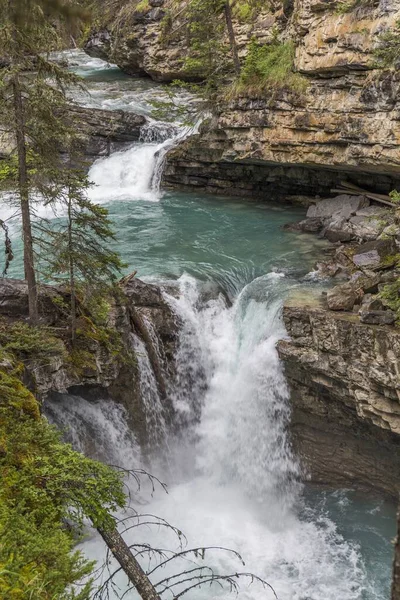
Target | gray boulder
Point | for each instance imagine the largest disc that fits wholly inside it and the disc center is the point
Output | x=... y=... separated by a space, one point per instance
x=343 y=297
x=377 y=317
x=376 y=254
x=99 y=44
x=342 y=206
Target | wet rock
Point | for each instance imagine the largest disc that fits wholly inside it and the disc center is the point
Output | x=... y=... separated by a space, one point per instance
x=102 y=130
x=344 y=382
x=343 y=297
x=311 y=225
x=99 y=44
x=376 y=254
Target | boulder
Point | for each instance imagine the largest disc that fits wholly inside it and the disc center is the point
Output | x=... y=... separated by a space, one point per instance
x=337 y=230
x=14 y=301
x=365 y=228
x=343 y=297
x=375 y=255
x=98 y=45
x=377 y=317
x=368 y=282
x=342 y=206
x=371 y=303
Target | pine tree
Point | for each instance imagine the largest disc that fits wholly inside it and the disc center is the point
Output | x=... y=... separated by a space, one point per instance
x=76 y=246
x=31 y=98
x=209 y=20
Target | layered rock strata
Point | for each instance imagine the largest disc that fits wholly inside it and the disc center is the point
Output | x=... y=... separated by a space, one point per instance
x=100 y=131
x=345 y=383
x=342 y=358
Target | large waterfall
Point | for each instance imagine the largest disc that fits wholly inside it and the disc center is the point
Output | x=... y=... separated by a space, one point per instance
x=233 y=479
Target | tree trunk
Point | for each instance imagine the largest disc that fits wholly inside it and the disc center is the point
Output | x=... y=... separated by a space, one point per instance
x=232 y=39
x=30 y=275
x=71 y=274
x=129 y=564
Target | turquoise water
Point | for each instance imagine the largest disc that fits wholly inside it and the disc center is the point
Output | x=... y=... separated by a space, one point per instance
x=228 y=241
x=224 y=240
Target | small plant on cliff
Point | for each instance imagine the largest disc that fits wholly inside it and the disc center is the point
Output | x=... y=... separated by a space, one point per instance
x=388 y=51
x=268 y=68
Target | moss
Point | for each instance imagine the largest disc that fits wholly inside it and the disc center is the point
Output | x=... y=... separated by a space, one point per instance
x=43 y=483
x=390 y=295
x=143 y=6
x=14 y=395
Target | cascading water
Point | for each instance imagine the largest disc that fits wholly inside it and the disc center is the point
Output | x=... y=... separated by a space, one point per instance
x=234 y=481
x=156 y=428
x=135 y=173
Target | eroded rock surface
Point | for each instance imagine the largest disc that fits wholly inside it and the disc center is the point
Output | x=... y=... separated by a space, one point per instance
x=96 y=370
x=345 y=382
x=345 y=125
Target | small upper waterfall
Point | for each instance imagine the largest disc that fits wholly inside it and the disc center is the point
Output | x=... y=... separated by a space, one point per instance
x=135 y=173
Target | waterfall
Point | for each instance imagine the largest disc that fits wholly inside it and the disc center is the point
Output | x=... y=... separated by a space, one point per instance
x=135 y=173
x=156 y=428
x=98 y=428
x=234 y=481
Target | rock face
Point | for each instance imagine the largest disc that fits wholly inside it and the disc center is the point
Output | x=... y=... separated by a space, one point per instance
x=105 y=130
x=345 y=126
x=140 y=310
x=345 y=382
x=101 y=130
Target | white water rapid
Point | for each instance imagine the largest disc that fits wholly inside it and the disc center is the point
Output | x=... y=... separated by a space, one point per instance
x=135 y=173
x=234 y=480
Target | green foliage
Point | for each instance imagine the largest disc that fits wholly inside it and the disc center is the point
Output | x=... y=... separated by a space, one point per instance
x=44 y=483
x=246 y=10
x=388 y=52
x=395 y=196
x=349 y=6
x=207 y=51
x=344 y=7
x=28 y=342
x=390 y=295
x=143 y=6
x=269 y=67
x=166 y=27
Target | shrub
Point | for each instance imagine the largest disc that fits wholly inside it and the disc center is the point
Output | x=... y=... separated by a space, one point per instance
x=269 y=67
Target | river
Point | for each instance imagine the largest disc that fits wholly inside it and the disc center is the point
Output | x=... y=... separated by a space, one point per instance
x=232 y=476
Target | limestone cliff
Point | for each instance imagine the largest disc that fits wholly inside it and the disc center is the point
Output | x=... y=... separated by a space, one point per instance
x=345 y=125
x=345 y=381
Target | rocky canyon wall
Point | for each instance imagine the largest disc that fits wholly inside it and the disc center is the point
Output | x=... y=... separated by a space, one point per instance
x=345 y=125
